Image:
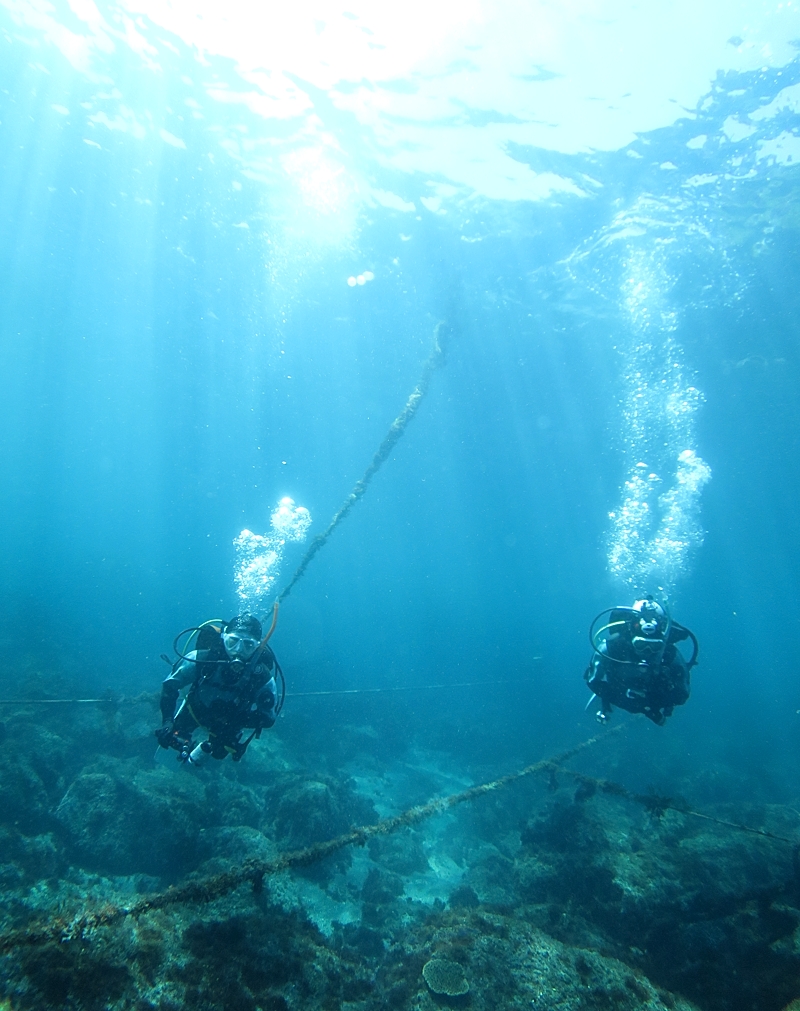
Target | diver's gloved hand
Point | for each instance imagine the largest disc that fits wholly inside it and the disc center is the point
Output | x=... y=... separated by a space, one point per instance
x=165 y=735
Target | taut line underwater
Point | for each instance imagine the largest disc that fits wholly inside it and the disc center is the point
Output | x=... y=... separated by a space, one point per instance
x=434 y=361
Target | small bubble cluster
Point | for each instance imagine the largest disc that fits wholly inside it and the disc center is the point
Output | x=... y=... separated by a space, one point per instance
x=652 y=534
x=258 y=557
x=360 y=279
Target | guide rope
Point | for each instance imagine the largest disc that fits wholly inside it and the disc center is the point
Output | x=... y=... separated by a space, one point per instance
x=65 y=702
x=108 y=700
x=155 y=696
x=396 y=429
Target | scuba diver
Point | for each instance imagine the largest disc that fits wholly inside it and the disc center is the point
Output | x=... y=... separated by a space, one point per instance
x=231 y=674
x=636 y=664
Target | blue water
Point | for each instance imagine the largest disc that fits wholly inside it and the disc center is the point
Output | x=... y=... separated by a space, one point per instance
x=181 y=349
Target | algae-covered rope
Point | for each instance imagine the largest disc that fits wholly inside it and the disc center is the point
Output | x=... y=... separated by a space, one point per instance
x=396 y=429
x=253 y=870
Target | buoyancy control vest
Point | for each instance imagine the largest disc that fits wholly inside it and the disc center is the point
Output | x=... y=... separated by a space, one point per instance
x=224 y=692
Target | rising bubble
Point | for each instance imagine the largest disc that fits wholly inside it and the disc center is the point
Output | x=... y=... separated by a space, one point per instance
x=259 y=557
x=657 y=523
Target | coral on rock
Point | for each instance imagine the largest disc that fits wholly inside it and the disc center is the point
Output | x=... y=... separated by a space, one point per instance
x=445 y=977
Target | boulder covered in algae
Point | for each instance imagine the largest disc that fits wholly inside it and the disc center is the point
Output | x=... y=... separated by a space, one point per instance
x=126 y=820
x=251 y=954
x=701 y=906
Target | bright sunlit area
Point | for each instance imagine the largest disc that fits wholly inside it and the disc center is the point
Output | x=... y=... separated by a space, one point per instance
x=448 y=90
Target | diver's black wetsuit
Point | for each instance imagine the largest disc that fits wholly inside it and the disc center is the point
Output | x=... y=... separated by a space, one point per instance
x=620 y=676
x=226 y=697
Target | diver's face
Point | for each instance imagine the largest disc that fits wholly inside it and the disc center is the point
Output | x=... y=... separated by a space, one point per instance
x=239 y=647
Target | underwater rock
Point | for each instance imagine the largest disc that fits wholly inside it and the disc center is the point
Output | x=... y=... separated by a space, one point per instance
x=362 y=939
x=379 y=893
x=250 y=954
x=121 y=821
x=511 y=964
x=233 y=803
x=274 y=961
x=491 y=878
x=34 y=765
x=43 y=752
x=28 y=857
x=227 y=844
x=57 y=972
x=703 y=910
x=404 y=854
x=465 y=897
x=381 y=887
x=24 y=803
x=301 y=810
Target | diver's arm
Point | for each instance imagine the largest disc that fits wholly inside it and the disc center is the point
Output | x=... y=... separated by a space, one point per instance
x=183 y=675
x=677 y=633
x=169 y=697
x=265 y=703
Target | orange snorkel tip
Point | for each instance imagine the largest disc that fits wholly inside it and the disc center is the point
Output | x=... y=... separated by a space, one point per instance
x=267 y=637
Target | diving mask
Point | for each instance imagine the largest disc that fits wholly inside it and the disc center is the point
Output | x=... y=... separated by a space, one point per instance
x=648 y=649
x=239 y=646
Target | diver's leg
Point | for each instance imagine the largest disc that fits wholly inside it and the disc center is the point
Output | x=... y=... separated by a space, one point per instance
x=603 y=714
